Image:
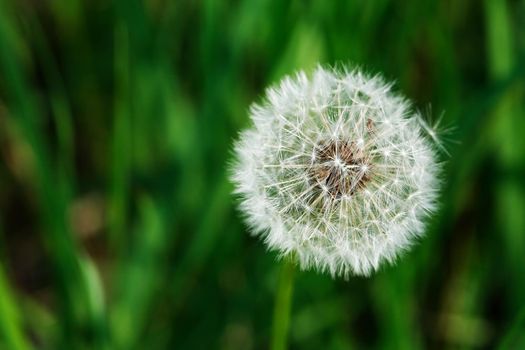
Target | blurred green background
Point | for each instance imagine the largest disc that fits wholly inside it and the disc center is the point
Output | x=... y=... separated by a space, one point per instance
x=117 y=226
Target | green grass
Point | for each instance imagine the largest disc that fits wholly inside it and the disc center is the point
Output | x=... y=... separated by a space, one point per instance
x=118 y=229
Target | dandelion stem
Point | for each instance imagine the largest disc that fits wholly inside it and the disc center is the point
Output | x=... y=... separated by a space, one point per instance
x=283 y=302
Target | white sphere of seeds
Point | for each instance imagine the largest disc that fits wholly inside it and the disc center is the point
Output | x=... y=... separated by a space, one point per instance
x=337 y=171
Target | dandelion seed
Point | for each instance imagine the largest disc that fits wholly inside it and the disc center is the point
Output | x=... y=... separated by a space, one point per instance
x=337 y=170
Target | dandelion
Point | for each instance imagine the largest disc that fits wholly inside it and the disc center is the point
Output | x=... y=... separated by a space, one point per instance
x=338 y=171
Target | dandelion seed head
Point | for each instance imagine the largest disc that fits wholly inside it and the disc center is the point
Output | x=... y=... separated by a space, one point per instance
x=337 y=170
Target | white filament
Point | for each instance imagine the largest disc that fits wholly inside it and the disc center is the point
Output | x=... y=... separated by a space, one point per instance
x=387 y=197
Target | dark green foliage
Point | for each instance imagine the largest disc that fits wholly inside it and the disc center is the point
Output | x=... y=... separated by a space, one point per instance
x=118 y=229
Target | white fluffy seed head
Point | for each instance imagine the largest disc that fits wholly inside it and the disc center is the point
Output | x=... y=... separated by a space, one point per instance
x=337 y=171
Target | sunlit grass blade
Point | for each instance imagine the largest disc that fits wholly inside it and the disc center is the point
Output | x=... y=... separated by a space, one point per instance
x=139 y=278
x=11 y=327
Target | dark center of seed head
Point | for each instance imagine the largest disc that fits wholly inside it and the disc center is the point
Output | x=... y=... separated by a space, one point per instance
x=339 y=168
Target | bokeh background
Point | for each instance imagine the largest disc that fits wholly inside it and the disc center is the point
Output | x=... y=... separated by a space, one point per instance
x=118 y=229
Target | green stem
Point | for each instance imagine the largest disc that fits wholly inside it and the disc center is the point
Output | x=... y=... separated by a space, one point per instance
x=283 y=302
